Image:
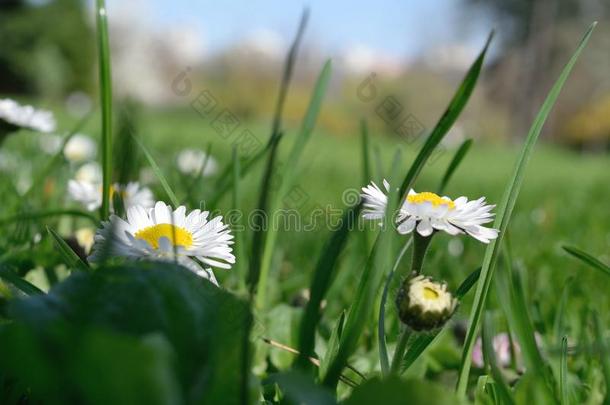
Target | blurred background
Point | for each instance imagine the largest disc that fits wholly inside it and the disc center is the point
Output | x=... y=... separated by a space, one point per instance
x=201 y=74
x=416 y=53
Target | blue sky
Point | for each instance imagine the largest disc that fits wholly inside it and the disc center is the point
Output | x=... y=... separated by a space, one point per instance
x=397 y=28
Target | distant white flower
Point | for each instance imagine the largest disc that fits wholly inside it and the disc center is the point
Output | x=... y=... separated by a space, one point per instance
x=85 y=238
x=90 y=172
x=426 y=212
x=89 y=194
x=80 y=148
x=191 y=161
x=25 y=116
x=50 y=143
x=160 y=233
x=424 y=304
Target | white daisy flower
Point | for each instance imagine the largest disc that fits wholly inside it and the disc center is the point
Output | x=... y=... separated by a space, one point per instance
x=427 y=212
x=160 y=233
x=90 y=172
x=15 y=116
x=191 y=161
x=50 y=143
x=424 y=304
x=89 y=194
x=80 y=148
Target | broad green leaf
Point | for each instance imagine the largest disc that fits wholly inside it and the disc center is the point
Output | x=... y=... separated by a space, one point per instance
x=503 y=215
x=204 y=326
x=64 y=362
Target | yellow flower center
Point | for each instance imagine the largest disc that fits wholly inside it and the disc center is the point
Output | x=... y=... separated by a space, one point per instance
x=176 y=235
x=430 y=294
x=432 y=198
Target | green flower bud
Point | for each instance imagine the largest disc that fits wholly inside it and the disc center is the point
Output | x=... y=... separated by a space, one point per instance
x=424 y=304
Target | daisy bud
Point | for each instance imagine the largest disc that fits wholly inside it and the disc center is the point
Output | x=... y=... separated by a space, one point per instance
x=424 y=304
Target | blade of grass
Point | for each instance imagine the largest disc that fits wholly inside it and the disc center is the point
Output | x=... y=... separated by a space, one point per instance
x=558 y=324
x=503 y=217
x=604 y=351
x=384 y=360
x=510 y=293
x=457 y=104
x=424 y=340
x=563 y=372
x=587 y=259
x=490 y=359
x=455 y=162
x=199 y=175
x=168 y=190
x=333 y=345
x=322 y=279
x=106 y=103
x=70 y=257
x=239 y=239
x=56 y=158
x=369 y=285
x=276 y=127
x=421 y=341
x=47 y=214
x=260 y=274
x=9 y=276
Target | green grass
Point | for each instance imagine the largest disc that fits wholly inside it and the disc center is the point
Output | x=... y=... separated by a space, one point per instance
x=144 y=326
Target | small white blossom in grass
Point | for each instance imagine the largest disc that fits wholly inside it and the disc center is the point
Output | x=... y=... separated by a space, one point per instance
x=80 y=148
x=424 y=304
x=426 y=212
x=192 y=161
x=90 y=172
x=15 y=116
x=85 y=238
x=162 y=234
x=50 y=143
x=89 y=194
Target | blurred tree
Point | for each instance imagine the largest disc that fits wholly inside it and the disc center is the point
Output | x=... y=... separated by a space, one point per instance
x=45 y=47
x=538 y=36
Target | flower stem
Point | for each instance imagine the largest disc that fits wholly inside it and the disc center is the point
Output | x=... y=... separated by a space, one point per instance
x=420 y=247
x=399 y=353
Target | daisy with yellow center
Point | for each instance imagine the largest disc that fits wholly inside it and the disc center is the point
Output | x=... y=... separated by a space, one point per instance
x=162 y=234
x=426 y=212
x=424 y=304
x=89 y=194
